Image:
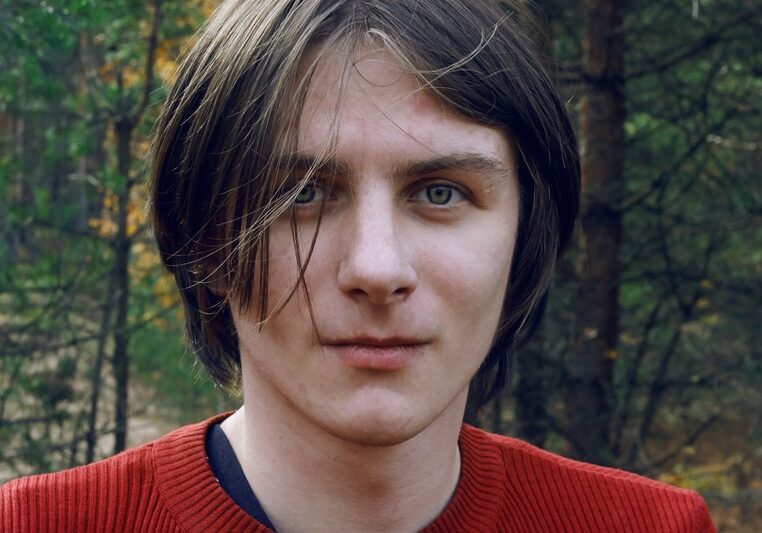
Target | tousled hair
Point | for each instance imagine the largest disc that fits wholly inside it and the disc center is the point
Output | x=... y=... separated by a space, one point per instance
x=231 y=115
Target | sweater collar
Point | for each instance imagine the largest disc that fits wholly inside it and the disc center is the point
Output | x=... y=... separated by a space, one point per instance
x=478 y=498
x=198 y=503
x=188 y=487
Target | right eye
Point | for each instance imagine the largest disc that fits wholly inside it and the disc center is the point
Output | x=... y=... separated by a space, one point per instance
x=309 y=193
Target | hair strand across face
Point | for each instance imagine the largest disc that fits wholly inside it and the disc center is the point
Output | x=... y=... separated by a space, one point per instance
x=233 y=113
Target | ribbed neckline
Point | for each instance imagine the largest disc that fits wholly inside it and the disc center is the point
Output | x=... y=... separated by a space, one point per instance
x=477 y=501
x=198 y=503
x=189 y=489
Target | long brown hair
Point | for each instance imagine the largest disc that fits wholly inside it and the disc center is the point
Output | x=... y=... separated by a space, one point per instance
x=232 y=111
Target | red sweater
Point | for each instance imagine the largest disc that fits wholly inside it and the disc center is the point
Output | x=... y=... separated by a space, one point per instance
x=505 y=485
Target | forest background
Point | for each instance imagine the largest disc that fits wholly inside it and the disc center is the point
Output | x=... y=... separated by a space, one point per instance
x=649 y=359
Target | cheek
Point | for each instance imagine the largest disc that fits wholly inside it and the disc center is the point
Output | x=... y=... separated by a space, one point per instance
x=471 y=277
x=283 y=270
x=282 y=277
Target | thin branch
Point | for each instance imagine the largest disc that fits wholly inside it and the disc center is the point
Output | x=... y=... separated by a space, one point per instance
x=666 y=173
x=657 y=386
x=693 y=437
x=668 y=60
x=631 y=381
x=29 y=349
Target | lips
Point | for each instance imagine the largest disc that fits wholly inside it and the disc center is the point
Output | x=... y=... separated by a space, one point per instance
x=372 y=353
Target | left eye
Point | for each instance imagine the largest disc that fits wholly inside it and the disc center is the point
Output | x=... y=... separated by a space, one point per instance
x=438 y=194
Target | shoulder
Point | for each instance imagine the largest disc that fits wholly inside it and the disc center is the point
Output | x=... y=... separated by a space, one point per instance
x=57 y=495
x=133 y=461
x=594 y=496
x=100 y=495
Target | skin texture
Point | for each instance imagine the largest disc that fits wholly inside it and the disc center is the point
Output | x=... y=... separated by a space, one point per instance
x=355 y=426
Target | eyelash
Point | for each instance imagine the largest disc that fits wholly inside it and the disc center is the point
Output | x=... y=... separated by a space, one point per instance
x=456 y=194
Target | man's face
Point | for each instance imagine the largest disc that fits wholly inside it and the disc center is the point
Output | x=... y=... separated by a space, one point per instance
x=409 y=268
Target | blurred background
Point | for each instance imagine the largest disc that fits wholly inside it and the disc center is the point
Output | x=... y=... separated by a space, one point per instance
x=650 y=358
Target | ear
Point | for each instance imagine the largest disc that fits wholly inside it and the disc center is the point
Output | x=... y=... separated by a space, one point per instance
x=214 y=280
x=217 y=284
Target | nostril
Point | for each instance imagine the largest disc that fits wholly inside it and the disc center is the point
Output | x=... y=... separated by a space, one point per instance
x=378 y=288
x=375 y=266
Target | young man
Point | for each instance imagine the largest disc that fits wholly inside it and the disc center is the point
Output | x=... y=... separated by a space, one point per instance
x=362 y=203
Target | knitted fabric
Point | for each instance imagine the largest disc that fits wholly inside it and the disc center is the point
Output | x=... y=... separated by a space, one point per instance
x=505 y=485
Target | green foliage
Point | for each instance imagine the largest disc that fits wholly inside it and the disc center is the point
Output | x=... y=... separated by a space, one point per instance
x=69 y=69
x=687 y=365
x=691 y=253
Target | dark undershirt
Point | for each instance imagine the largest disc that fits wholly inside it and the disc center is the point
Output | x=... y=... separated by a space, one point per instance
x=227 y=470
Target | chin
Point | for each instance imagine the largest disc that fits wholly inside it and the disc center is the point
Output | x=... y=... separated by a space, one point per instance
x=376 y=434
x=379 y=423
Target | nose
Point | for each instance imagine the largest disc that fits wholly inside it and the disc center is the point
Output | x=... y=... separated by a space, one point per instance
x=376 y=266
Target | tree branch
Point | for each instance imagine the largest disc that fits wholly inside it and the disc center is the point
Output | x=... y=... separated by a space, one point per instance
x=693 y=437
x=667 y=60
x=153 y=40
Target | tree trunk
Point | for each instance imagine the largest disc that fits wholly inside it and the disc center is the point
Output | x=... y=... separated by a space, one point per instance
x=589 y=398
x=124 y=126
x=92 y=420
x=121 y=287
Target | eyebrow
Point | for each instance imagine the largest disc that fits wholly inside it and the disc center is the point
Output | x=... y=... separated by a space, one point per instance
x=455 y=162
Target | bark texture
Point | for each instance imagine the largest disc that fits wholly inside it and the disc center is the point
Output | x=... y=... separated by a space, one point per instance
x=602 y=112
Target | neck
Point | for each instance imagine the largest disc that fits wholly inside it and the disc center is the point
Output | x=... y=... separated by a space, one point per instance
x=309 y=480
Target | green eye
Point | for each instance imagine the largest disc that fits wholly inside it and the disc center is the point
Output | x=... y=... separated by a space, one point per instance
x=306 y=195
x=439 y=194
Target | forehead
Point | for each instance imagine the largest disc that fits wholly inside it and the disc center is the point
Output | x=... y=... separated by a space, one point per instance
x=367 y=103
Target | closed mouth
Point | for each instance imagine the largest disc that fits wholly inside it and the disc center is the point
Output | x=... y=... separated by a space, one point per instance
x=376 y=342
x=374 y=353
